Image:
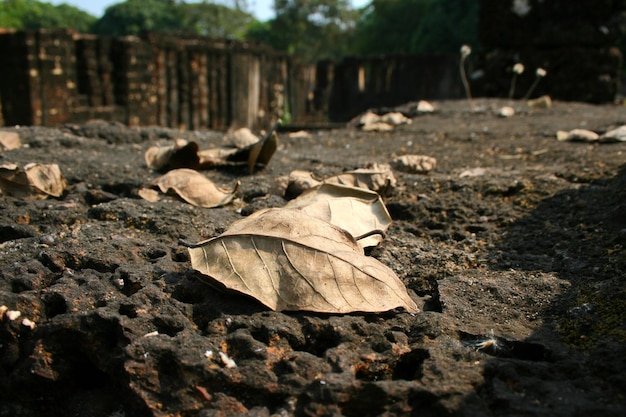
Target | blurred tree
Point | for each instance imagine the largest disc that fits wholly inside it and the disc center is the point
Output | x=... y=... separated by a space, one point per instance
x=310 y=29
x=31 y=14
x=217 y=20
x=415 y=26
x=134 y=16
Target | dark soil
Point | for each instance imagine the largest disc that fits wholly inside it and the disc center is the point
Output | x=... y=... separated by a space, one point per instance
x=519 y=273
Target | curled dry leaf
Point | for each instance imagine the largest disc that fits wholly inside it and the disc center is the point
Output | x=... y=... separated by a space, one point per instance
x=9 y=141
x=298 y=182
x=378 y=178
x=577 y=135
x=214 y=157
x=241 y=138
x=34 y=180
x=358 y=211
x=261 y=152
x=194 y=188
x=615 y=135
x=377 y=127
x=415 y=164
x=395 y=119
x=181 y=154
x=289 y=260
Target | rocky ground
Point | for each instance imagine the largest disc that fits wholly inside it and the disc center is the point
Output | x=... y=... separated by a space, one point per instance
x=513 y=247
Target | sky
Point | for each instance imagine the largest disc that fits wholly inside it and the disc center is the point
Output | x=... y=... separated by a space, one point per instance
x=261 y=9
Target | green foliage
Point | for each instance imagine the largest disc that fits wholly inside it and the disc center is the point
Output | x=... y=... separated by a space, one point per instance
x=134 y=16
x=309 y=29
x=415 y=26
x=216 y=20
x=31 y=14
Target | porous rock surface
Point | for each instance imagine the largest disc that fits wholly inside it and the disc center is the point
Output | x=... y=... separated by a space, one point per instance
x=513 y=248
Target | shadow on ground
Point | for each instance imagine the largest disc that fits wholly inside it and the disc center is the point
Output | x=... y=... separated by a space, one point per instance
x=579 y=361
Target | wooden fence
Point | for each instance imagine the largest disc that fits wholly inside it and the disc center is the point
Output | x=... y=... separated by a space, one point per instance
x=55 y=77
x=52 y=77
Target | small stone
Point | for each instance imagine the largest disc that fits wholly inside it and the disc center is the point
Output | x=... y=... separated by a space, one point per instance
x=424 y=106
x=543 y=102
x=228 y=362
x=506 y=111
x=28 y=323
x=13 y=314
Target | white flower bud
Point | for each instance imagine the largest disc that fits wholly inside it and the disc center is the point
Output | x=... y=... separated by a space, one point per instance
x=466 y=50
x=541 y=72
x=518 y=68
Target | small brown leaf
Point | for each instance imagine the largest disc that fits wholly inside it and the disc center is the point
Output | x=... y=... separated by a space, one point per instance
x=291 y=261
x=34 y=180
x=358 y=211
x=194 y=188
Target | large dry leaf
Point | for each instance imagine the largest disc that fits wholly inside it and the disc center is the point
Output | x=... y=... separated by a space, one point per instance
x=358 y=211
x=289 y=260
x=34 y=180
x=181 y=154
x=194 y=188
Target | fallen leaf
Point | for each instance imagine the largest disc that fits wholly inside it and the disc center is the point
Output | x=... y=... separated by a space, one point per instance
x=295 y=183
x=395 y=119
x=473 y=172
x=415 y=164
x=358 y=211
x=215 y=157
x=9 y=140
x=261 y=152
x=242 y=138
x=34 y=180
x=149 y=194
x=289 y=260
x=368 y=118
x=181 y=154
x=577 y=135
x=615 y=135
x=194 y=188
x=378 y=178
x=377 y=127
x=300 y=134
